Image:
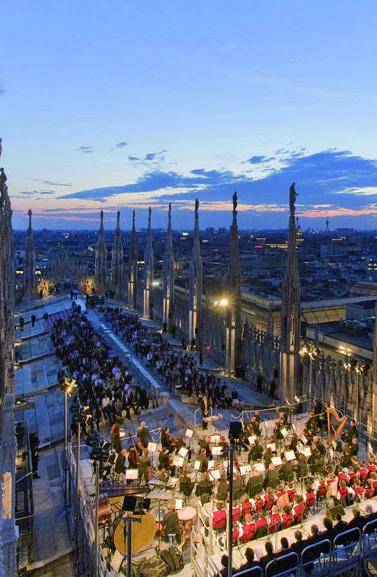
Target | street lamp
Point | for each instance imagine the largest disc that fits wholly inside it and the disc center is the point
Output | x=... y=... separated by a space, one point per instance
x=310 y=351
x=222 y=302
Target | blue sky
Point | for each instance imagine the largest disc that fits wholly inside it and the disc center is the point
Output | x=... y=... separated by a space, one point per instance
x=120 y=104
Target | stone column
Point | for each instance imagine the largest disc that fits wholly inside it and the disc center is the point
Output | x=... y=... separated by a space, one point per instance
x=133 y=270
x=29 y=268
x=195 y=287
x=168 y=271
x=117 y=264
x=290 y=314
x=233 y=313
x=148 y=271
x=100 y=264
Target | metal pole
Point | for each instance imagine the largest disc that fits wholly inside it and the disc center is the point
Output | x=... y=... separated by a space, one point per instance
x=129 y=546
x=310 y=382
x=230 y=513
x=78 y=455
x=95 y=573
x=65 y=449
x=77 y=511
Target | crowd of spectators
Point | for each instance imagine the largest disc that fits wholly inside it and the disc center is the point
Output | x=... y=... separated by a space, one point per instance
x=177 y=367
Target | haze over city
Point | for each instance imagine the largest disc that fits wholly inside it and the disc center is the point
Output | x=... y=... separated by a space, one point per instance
x=121 y=105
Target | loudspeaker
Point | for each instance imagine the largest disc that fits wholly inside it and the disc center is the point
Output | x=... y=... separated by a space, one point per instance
x=129 y=503
x=235 y=430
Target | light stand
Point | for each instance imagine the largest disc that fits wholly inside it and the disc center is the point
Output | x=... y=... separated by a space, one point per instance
x=96 y=511
x=235 y=430
x=65 y=448
x=128 y=529
x=97 y=455
x=68 y=387
x=230 y=510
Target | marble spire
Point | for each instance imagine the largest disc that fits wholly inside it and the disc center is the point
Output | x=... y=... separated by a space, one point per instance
x=148 y=271
x=233 y=311
x=100 y=265
x=29 y=272
x=290 y=324
x=8 y=532
x=133 y=271
x=372 y=421
x=196 y=287
x=117 y=265
x=168 y=279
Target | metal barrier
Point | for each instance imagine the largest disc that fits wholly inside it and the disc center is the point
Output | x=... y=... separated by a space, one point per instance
x=346 y=552
x=252 y=572
x=369 y=541
x=289 y=566
x=316 y=559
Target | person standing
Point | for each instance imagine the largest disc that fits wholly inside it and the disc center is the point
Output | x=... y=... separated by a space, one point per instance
x=144 y=464
x=34 y=450
x=143 y=434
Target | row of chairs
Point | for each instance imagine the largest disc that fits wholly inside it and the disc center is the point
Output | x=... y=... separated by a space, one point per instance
x=350 y=552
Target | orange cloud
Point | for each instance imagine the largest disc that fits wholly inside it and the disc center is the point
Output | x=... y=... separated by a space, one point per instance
x=331 y=212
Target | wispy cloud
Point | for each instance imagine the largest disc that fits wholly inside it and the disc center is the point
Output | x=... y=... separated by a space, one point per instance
x=122 y=144
x=50 y=182
x=258 y=159
x=148 y=157
x=85 y=149
x=364 y=191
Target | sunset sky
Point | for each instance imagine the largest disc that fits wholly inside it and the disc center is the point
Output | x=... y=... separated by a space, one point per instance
x=125 y=104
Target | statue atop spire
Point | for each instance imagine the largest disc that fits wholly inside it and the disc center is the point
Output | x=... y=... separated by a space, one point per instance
x=133 y=266
x=148 y=271
x=168 y=279
x=233 y=310
x=235 y=204
x=292 y=199
x=196 y=287
x=100 y=265
x=290 y=326
x=117 y=265
x=29 y=272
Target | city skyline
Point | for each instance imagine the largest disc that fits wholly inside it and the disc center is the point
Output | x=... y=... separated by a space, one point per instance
x=128 y=106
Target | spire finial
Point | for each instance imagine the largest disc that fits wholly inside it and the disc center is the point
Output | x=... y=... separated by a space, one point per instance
x=133 y=218
x=29 y=214
x=169 y=215
x=149 y=217
x=235 y=202
x=196 y=209
x=118 y=219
